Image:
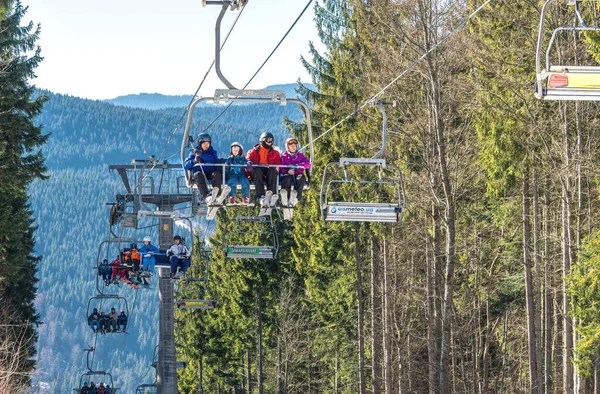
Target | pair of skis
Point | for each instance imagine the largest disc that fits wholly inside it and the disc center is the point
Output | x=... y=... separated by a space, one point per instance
x=268 y=203
x=128 y=282
x=216 y=201
x=288 y=204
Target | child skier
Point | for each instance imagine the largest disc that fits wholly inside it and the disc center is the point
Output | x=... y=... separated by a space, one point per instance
x=236 y=175
x=294 y=175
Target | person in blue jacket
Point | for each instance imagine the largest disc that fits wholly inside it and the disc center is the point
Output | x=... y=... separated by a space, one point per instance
x=196 y=162
x=105 y=272
x=147 y=251
x=235 y=174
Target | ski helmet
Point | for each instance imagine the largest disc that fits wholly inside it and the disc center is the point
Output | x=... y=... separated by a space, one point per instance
x=133 y=246
x=239 y=146
x=291 y=141
x=204 y=137
x=266 y=136
x=147 y=239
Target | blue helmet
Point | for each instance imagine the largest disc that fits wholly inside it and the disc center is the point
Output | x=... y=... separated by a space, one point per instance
x=133 y=246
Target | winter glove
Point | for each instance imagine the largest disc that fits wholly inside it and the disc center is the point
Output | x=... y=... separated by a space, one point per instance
x=198 y=158
x=249 y=165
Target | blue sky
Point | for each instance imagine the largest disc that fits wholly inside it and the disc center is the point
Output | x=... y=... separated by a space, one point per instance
x=109 y=48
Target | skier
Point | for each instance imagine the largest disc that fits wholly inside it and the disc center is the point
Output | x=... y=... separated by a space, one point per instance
x=294 y=175
x=115 y=264
x=132 y=257
x=235 y=173
x=104 y=270
x=122 y=321
x=147 y=251
x=112 y=320
x=179 y=254
x=85 y=389
x=264 y=155
x=104 y=323
x=205 y=154
x=94 y=320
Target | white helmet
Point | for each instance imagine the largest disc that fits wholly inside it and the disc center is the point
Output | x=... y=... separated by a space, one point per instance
x=147 y=239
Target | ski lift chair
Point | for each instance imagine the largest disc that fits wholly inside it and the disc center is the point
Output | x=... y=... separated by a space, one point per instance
x=386 y=176
x=146 y=389
x=245 y=227
x=233 y=94
x=565 y=82
x=97 y=302
x=104 y=251
x=96 y=377
x=222 y=95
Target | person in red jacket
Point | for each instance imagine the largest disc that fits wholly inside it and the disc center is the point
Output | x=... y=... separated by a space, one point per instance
x=264 y=154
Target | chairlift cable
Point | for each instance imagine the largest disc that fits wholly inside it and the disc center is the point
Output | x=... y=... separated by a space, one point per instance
x=193 y=97
x=94 y=351
x=262 y=65
x=434 y=47
x=130 y=318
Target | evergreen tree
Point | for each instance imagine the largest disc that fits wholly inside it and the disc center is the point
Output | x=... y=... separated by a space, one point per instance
x=21 y=162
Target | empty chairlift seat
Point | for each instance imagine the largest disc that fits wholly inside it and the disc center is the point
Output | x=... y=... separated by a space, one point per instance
x=577 y=82
x=245 y=227
x=383 y=175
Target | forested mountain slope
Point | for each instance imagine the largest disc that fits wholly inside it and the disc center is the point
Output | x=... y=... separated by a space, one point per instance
x=87 y=136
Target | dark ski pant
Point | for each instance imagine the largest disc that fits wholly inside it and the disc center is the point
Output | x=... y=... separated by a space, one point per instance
x=175 y=261
x=106 y=275
x=259 y=174
x=297 y=181
x=216 y=178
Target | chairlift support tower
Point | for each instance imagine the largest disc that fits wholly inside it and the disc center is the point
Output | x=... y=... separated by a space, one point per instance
x=166 y=371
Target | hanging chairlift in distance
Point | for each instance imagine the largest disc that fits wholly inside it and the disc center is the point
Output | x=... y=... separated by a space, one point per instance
x=565 y=82
x=95 y=376
x=146 y=389
x=98 y=302
x=184 y=287
x=345 y=172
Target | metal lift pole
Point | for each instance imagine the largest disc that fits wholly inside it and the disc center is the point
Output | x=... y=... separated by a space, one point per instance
x=166 y=379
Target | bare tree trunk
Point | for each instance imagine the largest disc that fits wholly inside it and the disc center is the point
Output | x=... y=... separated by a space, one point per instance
x=360 y=338
x=432 y=312
x=537 y=285
x=278 y=368
x=566 y=250
x=547 y=295
x=200 y=376
x=336 y=377
x=375 y=317
x=529 y=293
x=387 y=331
x=248 y=372
x=260 y=345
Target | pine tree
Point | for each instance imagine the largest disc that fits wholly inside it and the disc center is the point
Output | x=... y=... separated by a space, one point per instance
x=21 y=162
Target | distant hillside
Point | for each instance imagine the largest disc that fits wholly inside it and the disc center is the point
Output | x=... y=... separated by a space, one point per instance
x=161 y=101
x=150 y=101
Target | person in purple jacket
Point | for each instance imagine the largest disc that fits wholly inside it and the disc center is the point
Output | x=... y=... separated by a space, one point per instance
x=204 y=154
x=293 y=173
